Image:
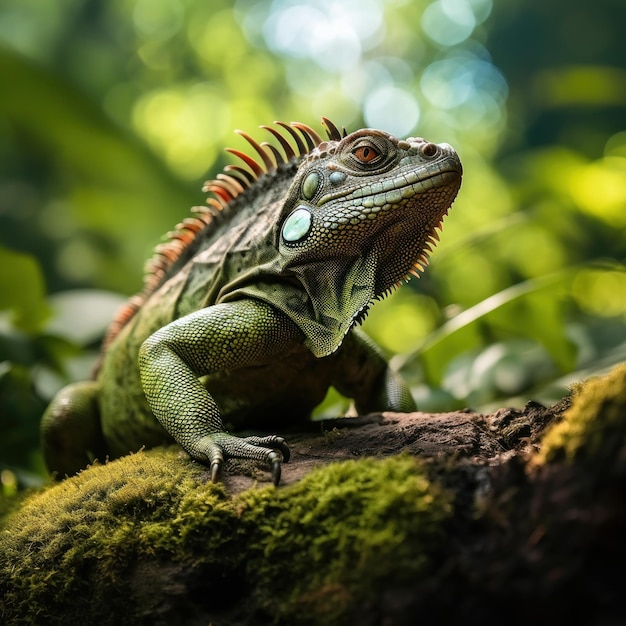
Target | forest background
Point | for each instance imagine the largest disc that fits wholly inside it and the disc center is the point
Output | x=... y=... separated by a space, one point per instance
x=112 y=114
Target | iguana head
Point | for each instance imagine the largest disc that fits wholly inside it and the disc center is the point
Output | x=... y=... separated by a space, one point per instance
x=368 y=203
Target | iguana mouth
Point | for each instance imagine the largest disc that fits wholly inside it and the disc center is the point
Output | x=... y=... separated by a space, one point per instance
x=386 y=207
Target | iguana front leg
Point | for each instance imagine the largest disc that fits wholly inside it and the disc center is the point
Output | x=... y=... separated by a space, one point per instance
x=218 y=338
x=362 y=373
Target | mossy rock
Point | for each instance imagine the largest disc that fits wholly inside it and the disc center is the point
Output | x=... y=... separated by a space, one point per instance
x=95 y=546
x=514 y=517
x=593 y=429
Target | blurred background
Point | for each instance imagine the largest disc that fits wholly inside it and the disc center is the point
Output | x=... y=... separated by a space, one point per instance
x=112 y=114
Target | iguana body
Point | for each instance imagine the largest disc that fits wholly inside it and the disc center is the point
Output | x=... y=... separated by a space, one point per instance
x=248 y=314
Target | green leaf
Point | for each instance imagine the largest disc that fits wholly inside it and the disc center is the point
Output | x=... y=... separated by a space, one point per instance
x=22 y=291
x=114 y=184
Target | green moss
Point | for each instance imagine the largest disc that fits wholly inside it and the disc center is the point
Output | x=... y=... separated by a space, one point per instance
x=89 y=524
x=307 y=553
x=593 y=429
x=344 y=530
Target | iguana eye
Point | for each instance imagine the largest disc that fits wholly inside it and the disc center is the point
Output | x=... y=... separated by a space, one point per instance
x=366 y=154
x=310 y=185
x=297 y=225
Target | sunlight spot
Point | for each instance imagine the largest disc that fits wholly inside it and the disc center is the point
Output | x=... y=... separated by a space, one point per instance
x=176 y=124
x=77 y=260
x=331 y=34
x=218 y=42
x=601 y=292
x=468 y=86
x=400 y=322
x=528 y=239
x=158 y=20
x=599 y=188
x=481 y=9
x=392 y=109
x=616 y=145
x=365 y=78
x=448 y=22
x=8 y=482
x=448 y=83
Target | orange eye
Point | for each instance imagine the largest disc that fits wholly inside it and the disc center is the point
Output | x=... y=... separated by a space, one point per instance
x=366 y=154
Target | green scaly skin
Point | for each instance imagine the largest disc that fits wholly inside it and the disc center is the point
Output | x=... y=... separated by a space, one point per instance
x=256 y=318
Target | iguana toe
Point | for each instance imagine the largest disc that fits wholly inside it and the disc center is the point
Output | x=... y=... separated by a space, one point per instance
x=271 y=441
x=274 y=458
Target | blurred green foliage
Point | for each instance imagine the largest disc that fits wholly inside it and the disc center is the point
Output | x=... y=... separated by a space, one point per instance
x=112 y=114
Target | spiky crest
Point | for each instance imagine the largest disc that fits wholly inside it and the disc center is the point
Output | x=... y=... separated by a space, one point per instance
x=228 y=185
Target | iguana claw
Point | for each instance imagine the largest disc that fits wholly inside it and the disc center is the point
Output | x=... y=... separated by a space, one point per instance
x=275 y=461
x=275 y=458
x=281 y=444
x=216 y=465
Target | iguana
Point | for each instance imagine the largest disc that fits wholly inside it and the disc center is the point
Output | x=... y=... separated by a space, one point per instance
x=249 y=311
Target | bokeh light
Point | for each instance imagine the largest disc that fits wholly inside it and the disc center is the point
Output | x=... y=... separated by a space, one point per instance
x=599 y=188
x=601 y=293
x=393 y=109
x=448 y=23
x=345 y=57
x=176 y=124
x=158 y=20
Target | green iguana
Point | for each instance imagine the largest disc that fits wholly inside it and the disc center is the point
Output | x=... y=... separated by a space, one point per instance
x=249 y=312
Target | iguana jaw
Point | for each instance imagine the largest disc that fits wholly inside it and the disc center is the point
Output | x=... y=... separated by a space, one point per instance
x=402 y=251
x=376 y=196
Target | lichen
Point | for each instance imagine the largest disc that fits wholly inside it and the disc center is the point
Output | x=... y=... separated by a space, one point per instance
x=306 y=553
x=593 y=429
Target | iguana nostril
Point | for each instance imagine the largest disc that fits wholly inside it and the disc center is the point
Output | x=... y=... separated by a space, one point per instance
x=430 y=150
x=337 y=178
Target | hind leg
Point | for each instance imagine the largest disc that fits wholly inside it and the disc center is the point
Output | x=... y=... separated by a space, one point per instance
x=70 y=430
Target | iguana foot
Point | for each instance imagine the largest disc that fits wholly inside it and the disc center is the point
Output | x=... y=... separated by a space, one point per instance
x=213 y=449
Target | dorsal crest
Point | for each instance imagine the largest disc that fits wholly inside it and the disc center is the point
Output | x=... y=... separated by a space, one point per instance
x=295 y=140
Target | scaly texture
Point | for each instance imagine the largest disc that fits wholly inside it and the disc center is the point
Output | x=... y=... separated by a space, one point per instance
x=248 y=313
